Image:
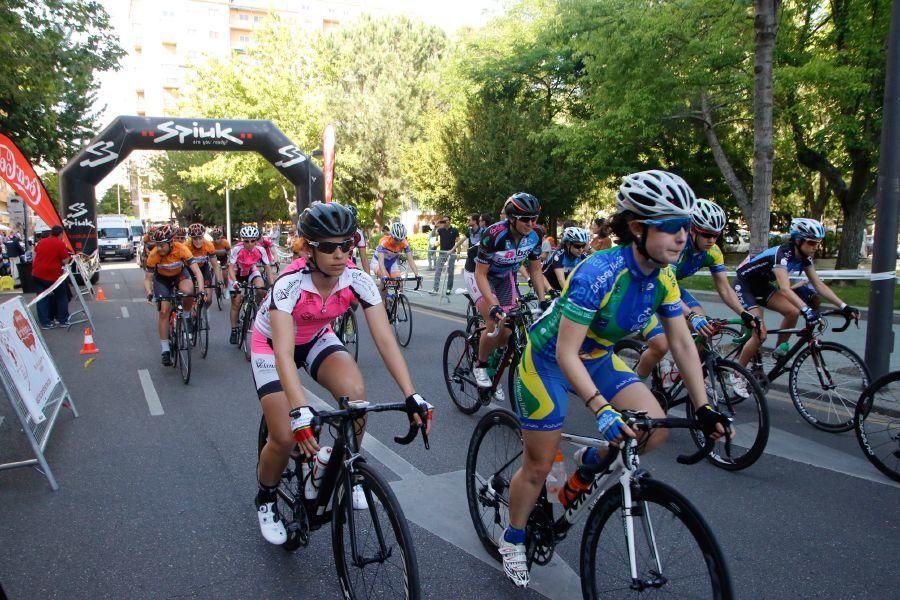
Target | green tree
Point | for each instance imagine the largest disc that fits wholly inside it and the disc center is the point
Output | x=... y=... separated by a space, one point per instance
x=52 y=51
x=115 y=196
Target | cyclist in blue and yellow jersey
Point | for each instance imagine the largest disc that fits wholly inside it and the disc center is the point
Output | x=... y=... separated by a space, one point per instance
x=612 y=294
x=700 y=251
x=763 y=280
x=565 y=258
x=492 y=281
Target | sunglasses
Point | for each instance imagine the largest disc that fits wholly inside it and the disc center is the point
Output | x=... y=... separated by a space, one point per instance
x=812 y=242
x=528 y=218
x=670 y=226
x=576 y=246
x=330 y=247
x=706 y=234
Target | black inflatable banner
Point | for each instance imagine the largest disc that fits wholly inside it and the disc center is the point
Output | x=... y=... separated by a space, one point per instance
x=79 y=178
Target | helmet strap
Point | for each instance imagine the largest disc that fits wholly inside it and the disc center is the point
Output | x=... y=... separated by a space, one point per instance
x=641 y=242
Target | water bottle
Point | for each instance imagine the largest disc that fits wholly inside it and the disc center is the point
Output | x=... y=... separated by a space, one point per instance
x=668 y=373
x=578 y=483
x=780 y=350
x=311 y=489
x=587 y=455
x=556 y=477
x=306 y=469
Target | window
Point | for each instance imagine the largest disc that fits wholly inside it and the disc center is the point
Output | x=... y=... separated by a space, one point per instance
x=140 y=95
x=257 y=19
x=213 y=13
x=112 y=232
x=243 y=17
x=168 y=13
x=142 y=113
x=170 y=47
x=244 y=39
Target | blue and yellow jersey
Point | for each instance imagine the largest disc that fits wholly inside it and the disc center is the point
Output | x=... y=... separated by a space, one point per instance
x=610 y=294
x=690 y=261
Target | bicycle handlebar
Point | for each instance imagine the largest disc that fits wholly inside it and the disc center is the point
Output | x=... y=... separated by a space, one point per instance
x=640 y=420
x=398 y=280
x=354 y=412
x=847 y=320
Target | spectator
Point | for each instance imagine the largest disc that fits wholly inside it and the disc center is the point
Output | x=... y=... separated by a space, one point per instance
x=432 y=244
x=14 y=250
x=600 y=239
x=448 y=240
x=50 y=256
x=547 y=246
x=485 y=220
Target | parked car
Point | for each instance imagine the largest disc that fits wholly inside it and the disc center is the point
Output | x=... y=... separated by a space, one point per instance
x=737 y=243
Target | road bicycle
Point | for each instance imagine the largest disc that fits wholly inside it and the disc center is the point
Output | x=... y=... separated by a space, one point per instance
x=347 y=331
x=397 y=306
x=824 y=392
x=461 y=351
x=180 y=342
x=641 y=535
x=373 y=549
x=750 y=415
x=246 y=315
x=877 y=424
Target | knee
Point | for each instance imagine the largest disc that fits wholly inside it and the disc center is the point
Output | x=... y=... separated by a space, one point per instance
x=536 y=471
x=654 y=439
x=658 y=346
x=281 y=443
x=792 y=314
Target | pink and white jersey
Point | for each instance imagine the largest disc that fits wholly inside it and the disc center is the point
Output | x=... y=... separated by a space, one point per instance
x=294 y=292
x=246 y=260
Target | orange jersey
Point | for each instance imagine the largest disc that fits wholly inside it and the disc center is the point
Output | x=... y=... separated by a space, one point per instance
x=391 y=248
x=221 y=244
x=201 y=254
x=172 y=263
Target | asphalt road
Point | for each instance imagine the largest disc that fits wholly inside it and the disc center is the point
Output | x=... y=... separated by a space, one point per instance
x=162 y=506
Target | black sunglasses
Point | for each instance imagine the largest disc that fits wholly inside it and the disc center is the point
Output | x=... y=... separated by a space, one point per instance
x=528 y=218
x=330 y=247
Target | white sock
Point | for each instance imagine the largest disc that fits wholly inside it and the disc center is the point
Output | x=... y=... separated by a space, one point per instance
x=165 y=345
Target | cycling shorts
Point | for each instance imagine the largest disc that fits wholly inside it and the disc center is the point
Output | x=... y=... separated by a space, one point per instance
x=254 y=273
x=807 y=293
x=206 y=271
x=753 y=297
x=504 y=287
x=166 y=286
x=391 y=266
x=542 y=391
x=656 y=329
x=308 y=356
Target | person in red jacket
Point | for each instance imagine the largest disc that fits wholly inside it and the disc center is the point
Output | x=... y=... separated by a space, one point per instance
x=49 y=257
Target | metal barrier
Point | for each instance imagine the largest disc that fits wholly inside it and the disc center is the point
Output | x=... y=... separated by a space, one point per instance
x=447 y=261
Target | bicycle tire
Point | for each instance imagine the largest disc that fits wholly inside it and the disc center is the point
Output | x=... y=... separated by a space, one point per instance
x=403 y=321
x=173 y=339
x=184 y=351
x=711 y=576
x=813 y=410
x=203 y=331
x=248 y=330
x=750 y=415
x=378 y=493
x=877 y=425
x=458 y=362
x=348 y=333
x=219 y=295
x=242 y=314
x=511 y=375
x=487 y=481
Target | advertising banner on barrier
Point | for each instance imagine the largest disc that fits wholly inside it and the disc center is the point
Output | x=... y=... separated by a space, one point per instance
x=17 y=172
x=25 y=358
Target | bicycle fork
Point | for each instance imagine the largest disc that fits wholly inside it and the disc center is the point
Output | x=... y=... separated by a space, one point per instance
x=629 y=512
x=384 y=552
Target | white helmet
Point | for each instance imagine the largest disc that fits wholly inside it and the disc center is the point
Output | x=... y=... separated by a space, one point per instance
x=807 y=229
x=250 y=232
x=576 y=235
x=655 y=194
x=708 y=215
x=398 y=231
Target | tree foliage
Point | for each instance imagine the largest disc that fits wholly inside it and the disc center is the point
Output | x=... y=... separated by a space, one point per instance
x=52 y=51
x=117 y=195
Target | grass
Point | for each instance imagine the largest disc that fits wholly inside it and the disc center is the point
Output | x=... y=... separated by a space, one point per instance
x=854 y=292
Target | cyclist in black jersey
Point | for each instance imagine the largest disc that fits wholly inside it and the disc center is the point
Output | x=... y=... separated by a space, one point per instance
x=763 y=280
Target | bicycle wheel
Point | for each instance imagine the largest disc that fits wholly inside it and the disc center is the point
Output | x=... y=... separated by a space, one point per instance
x=494 y=455
x=219 y=295
x=723 y=340
x=248 y=329
x=173 y=339
x=675 y=552
x=512 y=370
x=348 y=333
x=877 y=423
x=630 y=350
x=290 y=493
x=750 y=415
x=184 y=350
x=825 y=393
x=459 y=357
x=379 y=560
x=403 y=321
x=203 y=331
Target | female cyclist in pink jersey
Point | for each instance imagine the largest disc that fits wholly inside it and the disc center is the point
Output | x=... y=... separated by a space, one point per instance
x=293 y=330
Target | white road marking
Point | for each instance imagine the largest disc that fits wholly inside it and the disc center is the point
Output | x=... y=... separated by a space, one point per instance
x=125 y=314
x=150 y=394
x=117 y=285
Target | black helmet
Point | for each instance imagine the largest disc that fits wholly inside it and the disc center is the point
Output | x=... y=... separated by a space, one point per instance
x=323 y=220
x=521 y=204
x=353 y=210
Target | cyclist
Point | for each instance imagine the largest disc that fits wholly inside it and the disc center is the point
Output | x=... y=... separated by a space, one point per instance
x=385 y=263
x=293 y=330
x=242 y=268
x=223 y=249
x=203 y=250
x=180 y=235
x=565 y=258
x=168 y=268
x=147 y=245
x=492 y=281
x=763 y=281
x=359 y=242
x=608 y=296
x=700 y=251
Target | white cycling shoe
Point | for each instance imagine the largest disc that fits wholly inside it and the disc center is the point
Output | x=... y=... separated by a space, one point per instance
x=359 y=498
x=481 y=377
x=515 y=564
x=271 y=525
x=499 y=396
x=739 y=385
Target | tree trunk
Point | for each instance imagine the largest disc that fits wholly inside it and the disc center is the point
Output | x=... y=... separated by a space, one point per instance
x=731 y=179
x=766 y=26
x=818 y=203
x=853 y=230
x=379 y=210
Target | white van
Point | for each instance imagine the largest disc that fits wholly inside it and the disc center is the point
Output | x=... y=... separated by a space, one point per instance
x=114 y=237
x=137 y=234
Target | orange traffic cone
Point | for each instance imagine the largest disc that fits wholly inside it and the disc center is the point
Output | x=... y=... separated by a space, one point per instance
x=88 y=347
x=101 y=297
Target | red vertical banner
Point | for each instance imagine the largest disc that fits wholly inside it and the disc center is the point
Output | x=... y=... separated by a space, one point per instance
x=18 y=173
x=328 y=157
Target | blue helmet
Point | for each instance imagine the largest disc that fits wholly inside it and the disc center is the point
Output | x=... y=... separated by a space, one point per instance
x=807 y=229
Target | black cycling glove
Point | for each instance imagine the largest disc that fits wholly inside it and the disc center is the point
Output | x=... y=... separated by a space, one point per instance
x=750 y=320
x=496 y=311
x=710 y=417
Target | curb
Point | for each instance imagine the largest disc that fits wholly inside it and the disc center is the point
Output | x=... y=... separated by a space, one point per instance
x=438 y=309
